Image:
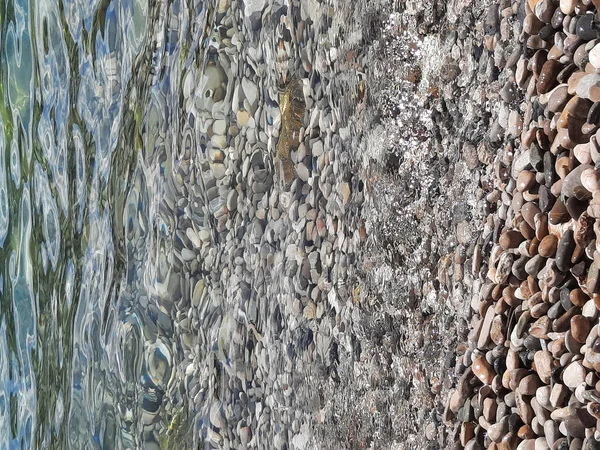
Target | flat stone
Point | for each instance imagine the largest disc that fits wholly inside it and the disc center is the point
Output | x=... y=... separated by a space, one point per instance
x=484 y=332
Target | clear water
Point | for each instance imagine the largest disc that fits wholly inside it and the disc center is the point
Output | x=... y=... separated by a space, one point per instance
x=106 y=115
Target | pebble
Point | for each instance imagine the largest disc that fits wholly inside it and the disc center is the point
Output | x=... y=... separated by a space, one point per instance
x=543 y=360
x=573 y=375
x=483 y=370
x=548 y=245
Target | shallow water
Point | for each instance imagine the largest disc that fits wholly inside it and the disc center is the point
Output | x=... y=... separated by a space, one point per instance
x=132 y=292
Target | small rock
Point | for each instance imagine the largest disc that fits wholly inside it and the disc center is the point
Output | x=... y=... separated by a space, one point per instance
x=574 y=375
x=543 y=361
x=580 y=328
x=547 y=247
x=482 y=369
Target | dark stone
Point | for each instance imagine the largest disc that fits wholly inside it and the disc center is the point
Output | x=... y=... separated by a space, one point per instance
x=586 y=28
x=557 y=18
x=536 y=157
x=576 y=207
x=564 y=252
x=555 y=311
x=532 y=343
x=564 y=74
x=518 y=268
x=558 y=214
x=550 y=175
x=593 y=115
x=546 y=32
x=546 y=199
x=548 y=76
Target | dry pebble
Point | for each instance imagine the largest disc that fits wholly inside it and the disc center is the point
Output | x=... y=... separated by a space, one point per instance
x=537 y=344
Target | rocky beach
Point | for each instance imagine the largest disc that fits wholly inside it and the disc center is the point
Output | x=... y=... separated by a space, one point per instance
x=300 y=224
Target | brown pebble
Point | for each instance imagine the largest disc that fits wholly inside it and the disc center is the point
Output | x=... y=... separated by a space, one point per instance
x=558 y=98
x=578 y=297
x=548 y=245
x=540 y=328
x=580 y=328
x=558 y=214
x=467 y=432
x=528 y=211
x=525 y=180
x=541 y=226
x=543 y=361
x=547 y=79
x=525 y=432
x=482 y=369
x=526 y=231
x=531 y=24
x=510 y=239
x=529 y=384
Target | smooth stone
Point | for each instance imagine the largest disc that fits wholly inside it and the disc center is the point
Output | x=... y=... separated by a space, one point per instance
x=582 y=154
x=546 y=199
x=573 y=375
x=581 y=56
x=595 y=56
x=536 y=157
x=559 y=395
x=529 y=384
x=484 y=334
x=547 y=79
x=558 y=98
x=551 y=432
x=510 y=239
x=550 y=175
x=578 y=297
x=528 y=211
x=586 y=28
x=498 y=430
x=540 y=328
x=531 y=24
x=586 y=82
x=543 y=9
x=482 y=369
x=565 y=249
x=580 y=328
x=525 y=181
x=572 y=185
x=518 y=268
x=535 y=265
x=558 y=214
x=576 y=207
x=590 y=179
x=594 y=114
x=548 y=245
x=567 y=6
x=543 y=361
